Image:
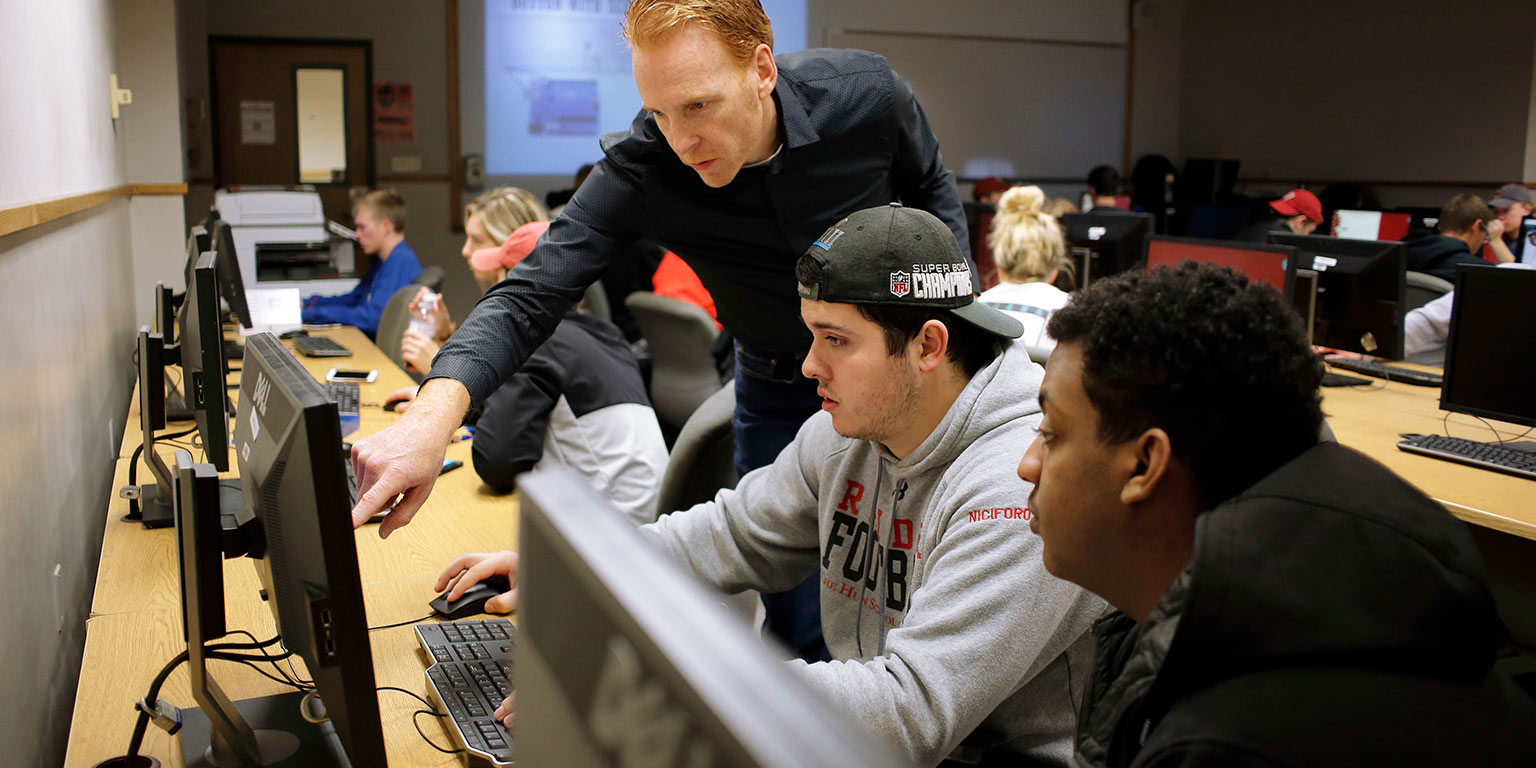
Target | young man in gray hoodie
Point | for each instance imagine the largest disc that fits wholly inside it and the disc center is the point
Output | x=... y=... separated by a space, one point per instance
x=948 y=636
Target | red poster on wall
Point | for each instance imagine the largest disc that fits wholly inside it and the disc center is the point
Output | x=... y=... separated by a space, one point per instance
x=394 y=114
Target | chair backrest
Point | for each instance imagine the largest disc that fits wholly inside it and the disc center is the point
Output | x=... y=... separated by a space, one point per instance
x=681 y=338
x=702 y=458
x=392 y=325
x=431 y=277
x=595 y=303
x=1422 y=289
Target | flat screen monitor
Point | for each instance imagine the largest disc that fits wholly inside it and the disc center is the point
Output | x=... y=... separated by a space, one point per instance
x=1488 y=362
x=153 y=507
x=1361 y=291
x=199 y=242
x=1272 y=265
x=1525 y=252
x=288 y=444
x=1371 y=225
x=231 y=284
x=1105 y=244
x=1421 y=220
x=620 y=653
x=202 y=361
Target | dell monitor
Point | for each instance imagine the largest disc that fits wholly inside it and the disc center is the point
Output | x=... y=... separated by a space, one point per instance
x=1488 y=362
x=153 y=506
x=620 y=655
x=1525 y=249
x=1105 y=244
x=1361 y=292
x=202 y=361
x=288 y=448
x=231 y=284
x=1272 y=265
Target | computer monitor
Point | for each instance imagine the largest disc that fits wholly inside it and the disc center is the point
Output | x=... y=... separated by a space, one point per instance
x=1105 y=244
x=1421 y=220
x=1361 y=291
x=288 y=445
x=1488 y=362
x=1526 y=251
x=231 y=284
x=153 y=507
x=619 y=653
x=1272 y=265
x=1371 y=225
x=202 y=361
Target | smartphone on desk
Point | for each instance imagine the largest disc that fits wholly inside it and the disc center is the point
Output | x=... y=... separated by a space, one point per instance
x=352 y=375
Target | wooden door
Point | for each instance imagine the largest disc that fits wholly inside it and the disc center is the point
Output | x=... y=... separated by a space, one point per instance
x=254 y=82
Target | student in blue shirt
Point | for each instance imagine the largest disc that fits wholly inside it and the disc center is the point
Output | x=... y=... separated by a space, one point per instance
x=380 y=219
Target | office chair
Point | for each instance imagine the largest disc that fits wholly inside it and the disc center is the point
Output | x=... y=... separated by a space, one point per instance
x=432 y=278
x=595 y=302
x=394 y=321
x=681 y=337
x=701 y=462
x=1422 y=289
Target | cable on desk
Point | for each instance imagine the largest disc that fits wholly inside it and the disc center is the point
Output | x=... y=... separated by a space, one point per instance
x=416 y=714
x=137 y=740
x=403 y=623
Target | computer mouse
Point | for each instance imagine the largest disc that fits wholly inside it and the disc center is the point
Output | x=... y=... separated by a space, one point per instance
x=473 y=600
x=296 y=332
x=394 y=403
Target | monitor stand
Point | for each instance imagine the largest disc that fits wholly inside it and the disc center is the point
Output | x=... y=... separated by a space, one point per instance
x=176 y=408
x=156 y=511
x=283 y=736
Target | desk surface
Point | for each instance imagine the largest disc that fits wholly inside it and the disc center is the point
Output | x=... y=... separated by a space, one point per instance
x=1370 y=420
x=135 y=622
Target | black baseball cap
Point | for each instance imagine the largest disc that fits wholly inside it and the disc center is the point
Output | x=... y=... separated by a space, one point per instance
x=903 y=257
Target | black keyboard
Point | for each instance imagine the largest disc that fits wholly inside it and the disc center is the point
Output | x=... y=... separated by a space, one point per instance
x=345 y=395
x=1388 y=372
x=319 y=346
x=1333 y=379
x=469 y=677
x=1499 y=458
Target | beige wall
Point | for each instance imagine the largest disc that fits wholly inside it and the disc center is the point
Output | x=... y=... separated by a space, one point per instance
x=70 y=308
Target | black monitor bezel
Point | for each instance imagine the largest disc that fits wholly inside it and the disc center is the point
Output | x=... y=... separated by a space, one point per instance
x=1473 y=272
x=1527 y=252
x=231 y=281
x=1376 y=251
x=1235 y=245
x=1129 y=254
x=202 y=352
x=339 y=658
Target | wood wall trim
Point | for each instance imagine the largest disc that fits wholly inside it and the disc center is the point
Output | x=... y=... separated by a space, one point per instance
x=423 y=178
x=1490 y=185
x=34 y=214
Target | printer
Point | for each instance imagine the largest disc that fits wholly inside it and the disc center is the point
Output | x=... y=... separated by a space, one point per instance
x=283 y=240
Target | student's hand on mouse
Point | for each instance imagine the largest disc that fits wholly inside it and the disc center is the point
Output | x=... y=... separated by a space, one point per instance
x=472 y=568
x=407 y=457
x=507 y=710
x=439 y=314
x=418 y=351
x=405 y=395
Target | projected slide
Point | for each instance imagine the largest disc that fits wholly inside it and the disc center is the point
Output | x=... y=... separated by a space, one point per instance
x=558 y=76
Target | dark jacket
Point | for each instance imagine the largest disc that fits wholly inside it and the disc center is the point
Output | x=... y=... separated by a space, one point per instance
x=1332 y=615
x=1438 y=255
x=1258 y=232
x=854 y=138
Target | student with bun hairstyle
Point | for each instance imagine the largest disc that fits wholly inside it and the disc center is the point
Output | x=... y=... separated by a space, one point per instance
x=1030 y=252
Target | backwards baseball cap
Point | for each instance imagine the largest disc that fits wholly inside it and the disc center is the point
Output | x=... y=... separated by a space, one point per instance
x=1509 y=194
x=1299 y=201
x=517 y=247
x=901 y=257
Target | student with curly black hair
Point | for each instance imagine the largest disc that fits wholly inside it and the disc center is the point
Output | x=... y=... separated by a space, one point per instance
x=1279 y=600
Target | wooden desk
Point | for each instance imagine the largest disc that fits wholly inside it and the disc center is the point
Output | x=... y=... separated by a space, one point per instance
x=1370 y=419
x=135 y=622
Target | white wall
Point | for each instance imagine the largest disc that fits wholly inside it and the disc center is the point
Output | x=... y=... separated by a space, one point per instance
x=1371 y=89
x=67 y=290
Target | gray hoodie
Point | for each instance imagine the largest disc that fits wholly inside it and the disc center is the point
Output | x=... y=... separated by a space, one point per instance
x=944 y=621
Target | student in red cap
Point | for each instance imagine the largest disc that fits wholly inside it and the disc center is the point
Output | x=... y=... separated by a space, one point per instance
x=1296 y=211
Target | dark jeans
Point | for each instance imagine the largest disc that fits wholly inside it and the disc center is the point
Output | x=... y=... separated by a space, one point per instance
x=772 y=400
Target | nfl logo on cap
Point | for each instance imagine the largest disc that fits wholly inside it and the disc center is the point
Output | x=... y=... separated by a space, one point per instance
x=901 y=284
